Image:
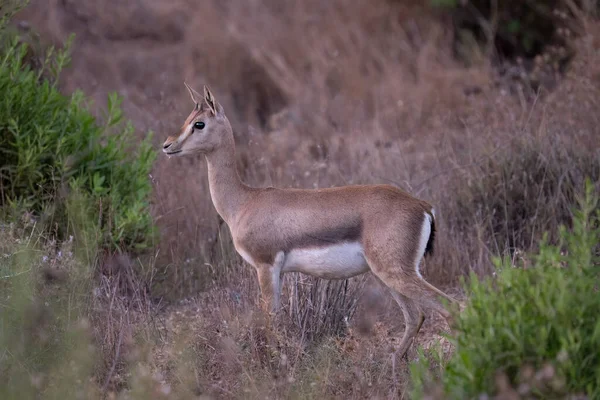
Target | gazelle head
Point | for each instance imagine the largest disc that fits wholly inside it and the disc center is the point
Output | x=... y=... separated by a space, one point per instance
x=204 y=130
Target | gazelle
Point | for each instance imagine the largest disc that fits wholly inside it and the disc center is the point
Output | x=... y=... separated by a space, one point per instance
x=333 y=233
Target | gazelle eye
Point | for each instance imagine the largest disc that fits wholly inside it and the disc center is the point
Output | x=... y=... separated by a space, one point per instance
x=199 y=125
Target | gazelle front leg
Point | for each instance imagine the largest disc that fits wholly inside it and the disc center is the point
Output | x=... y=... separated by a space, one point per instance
x=269 y=280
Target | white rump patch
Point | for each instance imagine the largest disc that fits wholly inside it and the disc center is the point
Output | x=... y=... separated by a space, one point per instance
x=423 y=239
x=339 y=261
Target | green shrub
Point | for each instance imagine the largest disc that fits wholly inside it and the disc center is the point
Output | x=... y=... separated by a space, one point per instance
x=64 y=334
x=541 y=316
x=50 y=144
x=45 y=338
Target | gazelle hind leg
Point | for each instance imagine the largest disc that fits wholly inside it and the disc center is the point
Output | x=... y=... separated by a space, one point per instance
x=413 y=318
x=423 y=293
x=406 y=280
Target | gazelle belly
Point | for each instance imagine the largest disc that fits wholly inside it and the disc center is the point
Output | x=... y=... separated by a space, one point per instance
x=339 y=261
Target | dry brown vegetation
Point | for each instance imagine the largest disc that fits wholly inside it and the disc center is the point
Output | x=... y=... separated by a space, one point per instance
x=319 y=94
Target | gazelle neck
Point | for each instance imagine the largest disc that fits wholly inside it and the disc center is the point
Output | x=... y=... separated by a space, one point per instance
x=227 y=190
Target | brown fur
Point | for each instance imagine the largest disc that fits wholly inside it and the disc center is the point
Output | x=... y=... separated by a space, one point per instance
x=267 y=223
x=319 y=217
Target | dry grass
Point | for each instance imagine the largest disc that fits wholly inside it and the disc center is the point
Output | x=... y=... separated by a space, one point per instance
x=231 y=351
x=319 y=94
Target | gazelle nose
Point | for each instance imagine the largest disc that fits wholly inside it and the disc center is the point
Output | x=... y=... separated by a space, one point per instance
x=167 y=145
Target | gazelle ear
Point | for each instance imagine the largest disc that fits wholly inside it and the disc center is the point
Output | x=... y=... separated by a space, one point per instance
x=196 y=97
x=210 y=100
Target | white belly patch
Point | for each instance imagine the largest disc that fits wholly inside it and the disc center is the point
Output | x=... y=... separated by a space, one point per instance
x=339 y=261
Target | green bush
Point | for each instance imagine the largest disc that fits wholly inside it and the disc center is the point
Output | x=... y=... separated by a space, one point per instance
x=541 y=316
x=50 y=145
x=45 y=343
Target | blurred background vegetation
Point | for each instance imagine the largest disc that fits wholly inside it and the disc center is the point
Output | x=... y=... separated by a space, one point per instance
x=117 y=279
